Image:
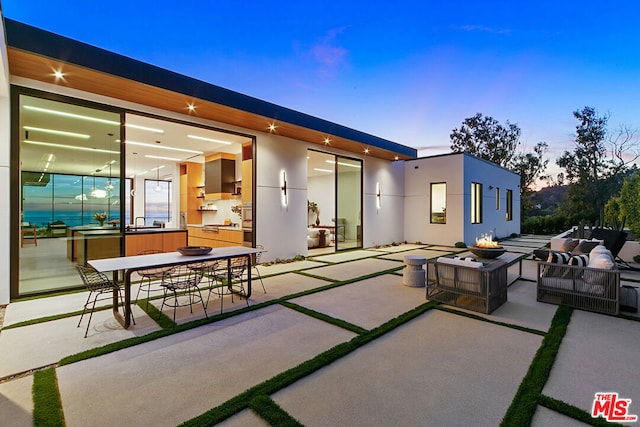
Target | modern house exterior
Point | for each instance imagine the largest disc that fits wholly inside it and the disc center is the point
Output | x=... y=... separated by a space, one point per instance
x=169 y=160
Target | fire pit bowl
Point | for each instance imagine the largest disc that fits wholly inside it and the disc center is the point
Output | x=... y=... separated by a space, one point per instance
x=486 y=253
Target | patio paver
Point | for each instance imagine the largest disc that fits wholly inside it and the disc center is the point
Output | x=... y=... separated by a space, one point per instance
x=405 y=378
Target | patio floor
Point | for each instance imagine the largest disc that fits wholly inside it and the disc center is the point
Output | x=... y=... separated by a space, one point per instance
x=439 y=367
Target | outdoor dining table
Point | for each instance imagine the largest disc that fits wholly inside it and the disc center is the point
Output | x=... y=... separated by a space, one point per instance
x=131 y=264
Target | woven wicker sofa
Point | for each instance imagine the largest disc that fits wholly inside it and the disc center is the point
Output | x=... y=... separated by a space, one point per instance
x=580 y=286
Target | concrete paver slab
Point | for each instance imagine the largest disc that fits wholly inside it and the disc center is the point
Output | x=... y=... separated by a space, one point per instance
x=246 y=418
x=439 y=369
x=398 y=248
x=354 y=269
x=16 y=403
x=266 y=270
x=46 y=343
x=346 y=256
x=598 y=354
x=172 y=379
x=426 y=253
x=546 y=417
x=368 y=303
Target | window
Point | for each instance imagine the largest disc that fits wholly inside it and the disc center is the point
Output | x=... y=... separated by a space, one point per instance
x=509 y=214
x=476 y=203
x=157 y=201
x=439 y=203
x=497 y=198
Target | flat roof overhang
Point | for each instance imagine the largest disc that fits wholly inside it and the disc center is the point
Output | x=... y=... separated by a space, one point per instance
x=37 y=54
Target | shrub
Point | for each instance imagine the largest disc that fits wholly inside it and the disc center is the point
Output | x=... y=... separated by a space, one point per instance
x=460 y=245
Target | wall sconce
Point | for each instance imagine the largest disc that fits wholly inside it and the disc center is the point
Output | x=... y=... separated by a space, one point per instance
x=283 y=187
x=377 y=195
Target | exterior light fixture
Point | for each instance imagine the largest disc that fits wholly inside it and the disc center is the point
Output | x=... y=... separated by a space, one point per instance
x=366 y=151
x=327 y=141
x=283 y=188
x=58 y=75
x=378 y=195
x=272 y=127
x=191 y=107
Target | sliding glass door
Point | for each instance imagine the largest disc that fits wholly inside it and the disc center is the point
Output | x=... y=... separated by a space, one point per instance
x=348 y=203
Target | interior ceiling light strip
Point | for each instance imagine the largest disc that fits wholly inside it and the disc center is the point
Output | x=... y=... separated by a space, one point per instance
x=143 y=144
x=202 y=138
x=149 y=129
x=71 y=115
x=58 y=132
x=323 y=170
x=70 y=147
x=162 y=158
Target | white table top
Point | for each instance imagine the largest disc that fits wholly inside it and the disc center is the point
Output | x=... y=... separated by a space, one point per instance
x=168 y=258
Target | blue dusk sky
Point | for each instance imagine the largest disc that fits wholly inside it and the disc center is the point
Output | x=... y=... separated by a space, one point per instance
x=407 y=71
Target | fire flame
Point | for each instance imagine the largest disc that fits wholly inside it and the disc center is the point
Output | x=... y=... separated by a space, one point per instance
x=486 y=241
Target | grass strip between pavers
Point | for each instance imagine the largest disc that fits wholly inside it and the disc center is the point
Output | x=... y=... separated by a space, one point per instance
x=523 y=406
x=325 y=318
x=272 y=413
x=47 y=406
x=288 y=377
x=573 y=412
x=484 y=319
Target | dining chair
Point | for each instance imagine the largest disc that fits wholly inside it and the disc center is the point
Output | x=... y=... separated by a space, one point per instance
x=255 y=261
x=97 y=284
x=237 y=270
x=26 y=231
x=180 y=282
x=215 y=272
x=149 y=275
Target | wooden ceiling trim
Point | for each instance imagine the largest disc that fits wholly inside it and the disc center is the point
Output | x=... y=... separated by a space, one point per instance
x=40 y=68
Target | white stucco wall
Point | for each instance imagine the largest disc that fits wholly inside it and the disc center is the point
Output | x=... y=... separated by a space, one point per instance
x=283 y=230
x=458 y=171
x=493 y=220
x=419 y=175
x=5 y=144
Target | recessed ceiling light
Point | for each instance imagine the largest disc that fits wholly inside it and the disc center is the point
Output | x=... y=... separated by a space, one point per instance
x=191 y=107
x=327 y=141
x=71 y=115
x=272 y=127
x=143 y=144
x=323 y=170
x=203 y=138
x=366 y=151
x=57 y=132
x=59 y=75
x=70 y=147
x=149 y=129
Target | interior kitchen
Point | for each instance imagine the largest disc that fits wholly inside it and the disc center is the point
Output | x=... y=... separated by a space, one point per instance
x=183 y=185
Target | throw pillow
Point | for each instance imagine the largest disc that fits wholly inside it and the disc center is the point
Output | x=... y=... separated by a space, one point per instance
x=569 y=244
x=602 y=262
x=585 y=246
x=579 y=260
x=600 y=250
x=559 y=257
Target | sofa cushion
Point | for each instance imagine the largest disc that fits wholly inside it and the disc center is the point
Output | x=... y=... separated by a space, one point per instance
x=603 y=262
x=569 y=244
x=585 y=246
x=579 y=260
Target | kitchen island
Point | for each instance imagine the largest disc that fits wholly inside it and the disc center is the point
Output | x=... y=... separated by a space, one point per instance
x=214 y=235
x=146 y=238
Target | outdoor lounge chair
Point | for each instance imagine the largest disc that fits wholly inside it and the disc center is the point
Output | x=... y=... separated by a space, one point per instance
x=613 y=240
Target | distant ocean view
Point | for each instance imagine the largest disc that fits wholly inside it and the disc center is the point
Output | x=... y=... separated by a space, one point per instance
x=70 y=218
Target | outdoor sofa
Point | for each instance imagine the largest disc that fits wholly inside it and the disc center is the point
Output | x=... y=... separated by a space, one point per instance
x=585 y=281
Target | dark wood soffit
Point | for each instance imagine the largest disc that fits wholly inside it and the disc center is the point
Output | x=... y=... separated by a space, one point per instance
x=36 y=67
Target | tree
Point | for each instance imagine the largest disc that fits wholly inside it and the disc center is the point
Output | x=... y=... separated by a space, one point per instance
x=531 y=167
x=594 y=175
x=486 y=138
x=629 y=202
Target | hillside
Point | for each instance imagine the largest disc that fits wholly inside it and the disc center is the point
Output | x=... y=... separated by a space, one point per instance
x=548 y=199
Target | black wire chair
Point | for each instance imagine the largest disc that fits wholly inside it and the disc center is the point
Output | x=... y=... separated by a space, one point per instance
x=183 y=281
x=150 y=274
x=255 y=261
x=221 y=286
x=97 y=284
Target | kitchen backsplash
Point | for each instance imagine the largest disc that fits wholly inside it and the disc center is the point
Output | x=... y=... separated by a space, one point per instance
x=224 y=212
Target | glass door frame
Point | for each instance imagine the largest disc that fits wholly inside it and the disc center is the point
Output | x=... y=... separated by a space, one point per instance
x=360 y=222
